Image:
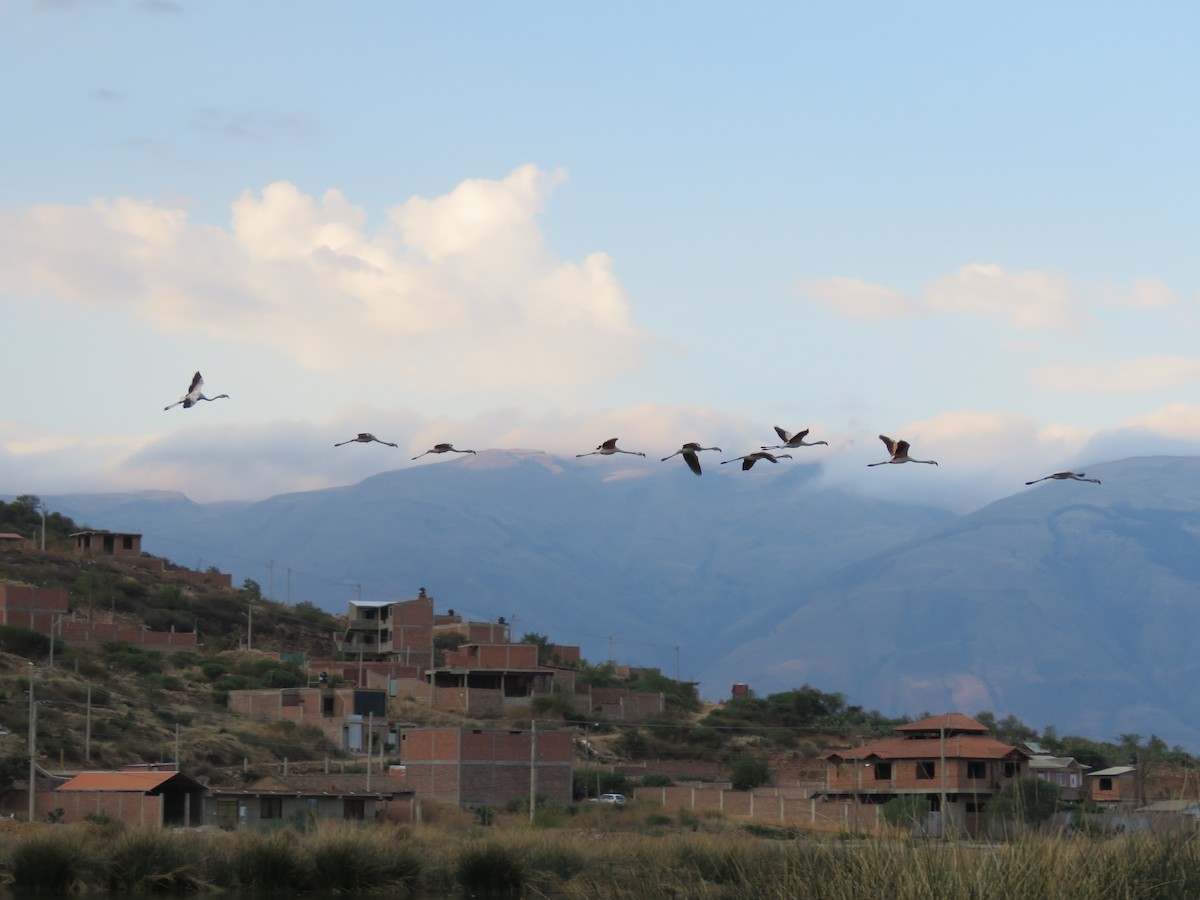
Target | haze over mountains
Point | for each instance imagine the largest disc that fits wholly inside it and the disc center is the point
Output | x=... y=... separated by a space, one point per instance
x=1066 y=603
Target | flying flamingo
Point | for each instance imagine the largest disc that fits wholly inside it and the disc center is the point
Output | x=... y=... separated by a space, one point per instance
x=442 y=448
x=689 y=451
x=750 y=459
x=1063 y=476
x=608 y=448
x=365 y=437
x=194 y=396
x=792 y=441
x=899 y=451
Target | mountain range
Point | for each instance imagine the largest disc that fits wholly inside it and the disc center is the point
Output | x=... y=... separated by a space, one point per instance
x=1068 y=604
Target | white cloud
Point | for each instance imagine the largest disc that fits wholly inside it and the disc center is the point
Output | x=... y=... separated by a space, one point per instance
x=859 y=299
x=1028 y=300
x=454 y=293
x=1130 y=376
x=1177 y=421
x=1150 y=293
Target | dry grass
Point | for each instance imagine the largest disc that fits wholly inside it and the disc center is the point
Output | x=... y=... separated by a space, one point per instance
x=512 y=859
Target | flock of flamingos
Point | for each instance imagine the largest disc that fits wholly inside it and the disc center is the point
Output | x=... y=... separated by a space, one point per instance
x=897 y=450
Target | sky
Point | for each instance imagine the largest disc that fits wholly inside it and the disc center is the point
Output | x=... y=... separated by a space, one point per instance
x=541 y=225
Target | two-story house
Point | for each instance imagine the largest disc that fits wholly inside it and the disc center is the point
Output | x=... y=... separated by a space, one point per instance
x=949 y=759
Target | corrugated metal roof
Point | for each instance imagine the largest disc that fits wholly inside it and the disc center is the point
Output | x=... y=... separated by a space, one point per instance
x=335 y=785
x=1112 y=771
x=141 y=782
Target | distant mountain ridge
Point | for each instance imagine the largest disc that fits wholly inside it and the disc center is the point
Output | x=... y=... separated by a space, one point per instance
x=1067 y=603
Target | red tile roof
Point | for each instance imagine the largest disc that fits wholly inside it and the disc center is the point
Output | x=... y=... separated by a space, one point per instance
x=948 y=721
x=956 y=746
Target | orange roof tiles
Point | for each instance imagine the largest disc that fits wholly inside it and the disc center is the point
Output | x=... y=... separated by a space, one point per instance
x=957 y=746
x=948 y=721
x=142 y=782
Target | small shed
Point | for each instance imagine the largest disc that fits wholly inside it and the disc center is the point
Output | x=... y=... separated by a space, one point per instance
x=135 y=798
x=1116 y=784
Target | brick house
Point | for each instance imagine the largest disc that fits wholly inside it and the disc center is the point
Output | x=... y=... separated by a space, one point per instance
x=477 y=767
x=278 y=799
x=108 y=543
x=139 y=795
x=344 y=714
x=489 y=678
x=1065 y=771
x=1115 y=786
x=389 y=631
x=35 y=608
x=949 y=759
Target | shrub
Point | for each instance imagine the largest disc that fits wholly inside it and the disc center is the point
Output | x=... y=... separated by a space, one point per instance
x=42 y=862
x=489 y=870
x=748 y=771
x=906 y=810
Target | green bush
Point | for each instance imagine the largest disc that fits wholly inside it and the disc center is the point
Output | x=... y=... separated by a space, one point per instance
x=489 y=870
x=906 y=810
x=41 y=862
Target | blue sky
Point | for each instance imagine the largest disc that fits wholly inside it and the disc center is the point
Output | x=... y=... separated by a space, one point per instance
x=540 y=225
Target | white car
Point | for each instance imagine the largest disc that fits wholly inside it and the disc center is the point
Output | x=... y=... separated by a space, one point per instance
x=612 y=798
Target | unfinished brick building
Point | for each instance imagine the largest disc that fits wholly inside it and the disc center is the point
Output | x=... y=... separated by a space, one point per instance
x=476 y=767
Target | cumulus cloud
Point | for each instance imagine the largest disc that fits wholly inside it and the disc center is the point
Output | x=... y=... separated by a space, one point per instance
x=452 y=292
x=860 y=299
x=1130 y=376
x=1030 y=301
x=1176 y=421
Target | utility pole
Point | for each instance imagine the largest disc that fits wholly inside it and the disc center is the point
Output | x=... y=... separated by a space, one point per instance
x=610 y=656
x=370 y=730
x=87 y=729
x=271 y=581
x=43 y=525
x=32 y=749
x=532 y=769
x=677 y=678
x=250 y=625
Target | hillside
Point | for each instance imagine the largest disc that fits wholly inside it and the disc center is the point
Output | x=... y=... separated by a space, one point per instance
x=1066 y=602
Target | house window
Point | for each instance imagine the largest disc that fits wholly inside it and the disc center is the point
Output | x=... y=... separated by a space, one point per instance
x=926 y=769
x=976 y=770
x=1106 y=784
x=1010 y=770
x=883 y=771
x=354 y=808
x=1074 y=780
x=127 y=542
x=327 y=706
x=270 y=808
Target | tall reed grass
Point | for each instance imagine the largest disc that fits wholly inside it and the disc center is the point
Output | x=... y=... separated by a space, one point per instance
x=721 y=860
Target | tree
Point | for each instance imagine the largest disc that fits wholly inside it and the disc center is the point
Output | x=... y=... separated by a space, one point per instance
x=252 y=587
x=748 y=771
x=544 y=644
x=1030 y=800
x=907 y=810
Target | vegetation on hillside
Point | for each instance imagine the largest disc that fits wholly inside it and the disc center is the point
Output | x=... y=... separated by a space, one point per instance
x=142 y=702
